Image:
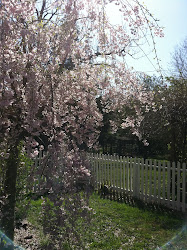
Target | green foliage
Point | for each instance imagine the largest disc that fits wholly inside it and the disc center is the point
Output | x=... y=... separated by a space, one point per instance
x=173 y=114
x=164 y=125
x=45 y=241
x=24 y=170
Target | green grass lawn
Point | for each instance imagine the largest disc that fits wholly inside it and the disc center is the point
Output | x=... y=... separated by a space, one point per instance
x=131 y=227
x=117 y=225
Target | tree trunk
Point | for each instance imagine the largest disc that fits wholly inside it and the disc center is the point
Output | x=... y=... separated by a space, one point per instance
x=8 y=208
x=174 y=157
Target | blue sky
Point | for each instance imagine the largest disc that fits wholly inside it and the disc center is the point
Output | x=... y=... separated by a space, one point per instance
x=173 y=16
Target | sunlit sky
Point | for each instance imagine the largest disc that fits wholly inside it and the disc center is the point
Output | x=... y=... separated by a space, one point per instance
x=173 y=16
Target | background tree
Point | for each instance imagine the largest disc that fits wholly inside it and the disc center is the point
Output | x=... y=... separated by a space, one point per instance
x=179 y=61
x=174 y=110
x=179 y=86
x=162 y=124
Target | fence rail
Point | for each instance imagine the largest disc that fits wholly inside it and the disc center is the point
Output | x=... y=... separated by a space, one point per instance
x=148 y=180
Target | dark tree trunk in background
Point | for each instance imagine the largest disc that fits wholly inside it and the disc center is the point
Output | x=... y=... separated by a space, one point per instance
x=8 y=208
x=111 y=148
x=173 y=146
x=119 y=147
x=184 y=144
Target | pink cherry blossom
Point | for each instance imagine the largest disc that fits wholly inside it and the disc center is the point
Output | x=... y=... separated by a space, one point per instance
x=56 y=59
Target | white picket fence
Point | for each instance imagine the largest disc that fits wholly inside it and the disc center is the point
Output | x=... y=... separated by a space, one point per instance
x=151 y=181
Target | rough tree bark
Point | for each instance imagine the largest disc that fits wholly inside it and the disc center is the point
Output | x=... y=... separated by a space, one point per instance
x=8 y=208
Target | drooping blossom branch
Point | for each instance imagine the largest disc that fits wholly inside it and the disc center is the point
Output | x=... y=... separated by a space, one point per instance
x=56 y=58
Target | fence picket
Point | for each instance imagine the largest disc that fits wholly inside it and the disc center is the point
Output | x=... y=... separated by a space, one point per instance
x=107 y=169
x=164 y=181
x=124 y=174
x=168 y=183
x=136 y=177
x=104 y=169
x=102 y=174
x=114 y=171
x=146 y=178
x=178 y=185
x=150 y=180
x=130 y=176
x=159 y=180
x=111 y=168
x=117 y=171
x=173 y=184
x=97 y=169
x=184 y=186
x=121 y=172
x=142 y=179
x=127 y=164
x=155 y=180
x=105 y=164
x=138 y=180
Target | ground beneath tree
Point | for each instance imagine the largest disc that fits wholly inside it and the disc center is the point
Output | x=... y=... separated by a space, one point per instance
x=26 y=236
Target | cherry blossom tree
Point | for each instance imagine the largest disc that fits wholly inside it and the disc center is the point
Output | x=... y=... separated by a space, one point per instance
x=178 y=62
x=56 y=57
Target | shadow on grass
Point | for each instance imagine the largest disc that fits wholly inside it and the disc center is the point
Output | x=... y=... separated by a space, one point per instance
x=142 y=205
